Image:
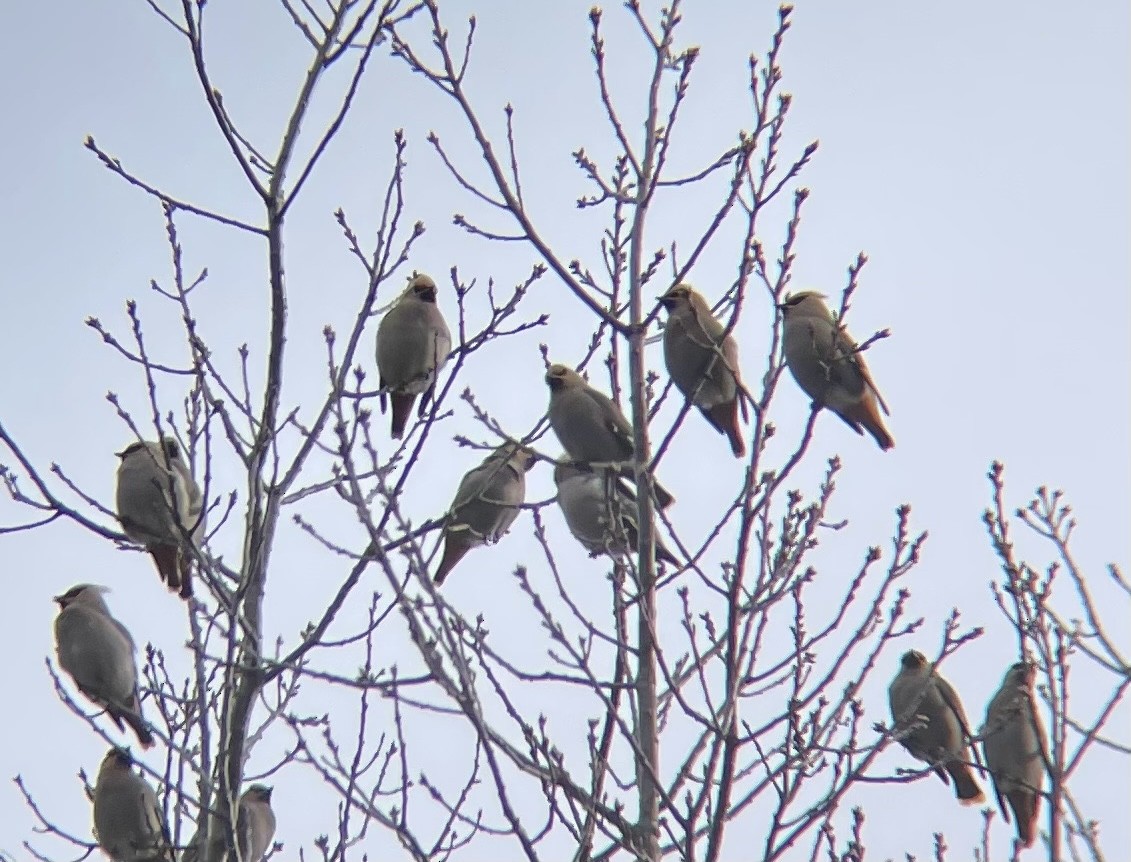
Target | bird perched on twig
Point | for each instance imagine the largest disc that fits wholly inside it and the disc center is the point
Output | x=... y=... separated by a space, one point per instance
x=702 y=359
x=600 y=511
x=127 y=819
x=927 y=709
x=413 y=343
x=98 y=652
x=254 y=832
x=591 y=427
x=486 y=503
x=827 y=364
x=255 y=825
x=1013 y=738
x=161 y=507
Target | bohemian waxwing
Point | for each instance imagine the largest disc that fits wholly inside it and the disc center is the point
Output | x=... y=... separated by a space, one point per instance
x=256 y=823
x=826 y=364
x=413 y=343
x=1013 y=738
x=591 y=427
x=127 y=820
x=98 y=652
x=486 y=504
x=600 y=510
x=919 y=696
x=703 y=363
x=160 y=506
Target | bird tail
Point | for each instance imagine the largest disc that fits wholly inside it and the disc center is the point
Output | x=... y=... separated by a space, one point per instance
x=725 y=419
x=184 y=566
x=1025 y=804
x=402 y=407
x=965 y=785
x=167 y=558
x=865 y=413
x=136 y=722
x=662 y=553
x=663 y=496
x=454 y=549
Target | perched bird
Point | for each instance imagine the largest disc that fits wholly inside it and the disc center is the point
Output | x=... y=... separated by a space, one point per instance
x=1013 y=738
x=591 y=427
x=702 y=359
x=486 y=504
x=255 y=829
x=255 y=824
x=98 y=652
x=413 y=343
x=826 y=364
x=920 y=696
x=127 y=819
x=160 y=506
x=600 y=510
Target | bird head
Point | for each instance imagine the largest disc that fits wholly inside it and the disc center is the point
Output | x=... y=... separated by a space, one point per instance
x=676 y=298
x=560 y=376
x=259 y=792
x=79 y=592
x=914 y=660
x=422 y=288
x=805 y=302
x=117 y=758
x=1022 y=675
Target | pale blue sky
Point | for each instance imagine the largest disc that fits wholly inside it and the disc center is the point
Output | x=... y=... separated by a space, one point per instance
x=978 y=153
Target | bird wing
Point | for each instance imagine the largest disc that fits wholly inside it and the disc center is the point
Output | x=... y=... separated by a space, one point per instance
x=614 y=420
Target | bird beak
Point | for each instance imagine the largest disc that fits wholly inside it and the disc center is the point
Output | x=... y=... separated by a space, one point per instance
x=58 y=600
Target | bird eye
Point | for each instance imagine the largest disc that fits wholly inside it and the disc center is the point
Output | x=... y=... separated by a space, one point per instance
x=172 y=449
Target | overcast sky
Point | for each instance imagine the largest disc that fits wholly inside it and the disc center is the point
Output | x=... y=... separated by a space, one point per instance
x=977 y=152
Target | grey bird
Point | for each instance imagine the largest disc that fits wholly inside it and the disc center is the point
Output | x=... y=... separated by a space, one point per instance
x=600 y=510
x=161 y=507
x=255 y=824
x=702 y=360
x=591 y=427
x=98 y=652
x=254 y=832
x=1013 y=738
x=919 y=696
x=826 y=364
x=127 y=820
x=413 y=343
x=486 y=504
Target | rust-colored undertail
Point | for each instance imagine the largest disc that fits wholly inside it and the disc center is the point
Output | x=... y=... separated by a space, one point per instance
x=724 y=418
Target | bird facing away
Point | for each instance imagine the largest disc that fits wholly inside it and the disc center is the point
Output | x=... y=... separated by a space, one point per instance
x=98 y=652
x=827 y=366
x=919 y=696
x=160 y=506
x=591 y=427
x=1013 y=738
x=702 y=360
x=255 y=824
x=413 y=343
x=127 y=819
x=600 y=510
x=486 y=504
